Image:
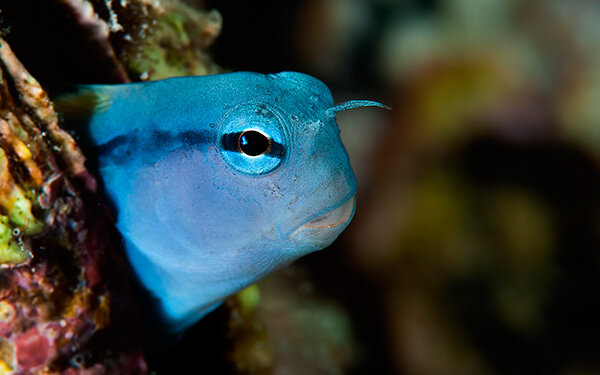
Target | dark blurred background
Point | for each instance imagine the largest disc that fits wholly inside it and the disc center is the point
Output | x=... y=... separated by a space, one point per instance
x=475 y=245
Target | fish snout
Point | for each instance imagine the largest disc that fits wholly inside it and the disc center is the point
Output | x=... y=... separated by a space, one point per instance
x=334 y=217
x=321 y=231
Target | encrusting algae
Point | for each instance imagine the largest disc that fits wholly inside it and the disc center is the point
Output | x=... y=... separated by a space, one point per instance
x=53 y=246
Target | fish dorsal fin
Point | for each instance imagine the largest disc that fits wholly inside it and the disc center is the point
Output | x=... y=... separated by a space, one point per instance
x=78 y=105
x=85 y=100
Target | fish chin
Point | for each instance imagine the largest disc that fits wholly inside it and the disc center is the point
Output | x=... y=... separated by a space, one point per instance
x=323 y=230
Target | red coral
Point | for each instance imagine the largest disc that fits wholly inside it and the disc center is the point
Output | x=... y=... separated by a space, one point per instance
x=34 y=349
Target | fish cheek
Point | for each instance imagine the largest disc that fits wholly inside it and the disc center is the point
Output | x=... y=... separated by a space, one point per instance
x=205 y=205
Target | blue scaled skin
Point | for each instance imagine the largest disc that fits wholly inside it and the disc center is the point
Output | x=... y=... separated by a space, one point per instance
x=219 y=180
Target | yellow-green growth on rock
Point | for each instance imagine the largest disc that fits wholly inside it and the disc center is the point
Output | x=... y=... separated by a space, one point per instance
x=11 y=253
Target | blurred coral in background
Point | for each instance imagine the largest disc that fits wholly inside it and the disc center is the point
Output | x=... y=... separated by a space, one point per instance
x=475 y=245
x=478 y=213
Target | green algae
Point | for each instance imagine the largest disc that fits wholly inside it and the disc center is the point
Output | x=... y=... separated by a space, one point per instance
x=21 y=217
x=248 y=299
x=17 y=218
x=11 y=252
x=174 y=45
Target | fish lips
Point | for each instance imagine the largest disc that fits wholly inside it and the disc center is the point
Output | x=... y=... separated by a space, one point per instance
x=320 y=232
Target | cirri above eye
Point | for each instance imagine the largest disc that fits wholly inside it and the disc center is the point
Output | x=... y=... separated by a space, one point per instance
x=254 y=143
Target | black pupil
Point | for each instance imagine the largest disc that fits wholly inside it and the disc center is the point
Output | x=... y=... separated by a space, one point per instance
x=253 y=143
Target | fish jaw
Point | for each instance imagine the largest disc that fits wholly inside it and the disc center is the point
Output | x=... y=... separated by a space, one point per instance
x=320 y=232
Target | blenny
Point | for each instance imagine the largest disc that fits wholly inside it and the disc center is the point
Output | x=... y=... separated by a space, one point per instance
x=219 y=180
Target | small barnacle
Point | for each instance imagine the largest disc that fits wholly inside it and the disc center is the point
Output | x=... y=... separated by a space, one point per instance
x=11 y=251
x=77 y=361
x=7 y=312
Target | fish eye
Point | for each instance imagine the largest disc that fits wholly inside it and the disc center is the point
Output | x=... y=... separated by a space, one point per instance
x=252 y=151
x=253 y=143
x=252 y=139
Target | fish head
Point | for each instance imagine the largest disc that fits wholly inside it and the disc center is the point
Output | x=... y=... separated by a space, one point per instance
x=271 y=182
x=289 y=159
x=275 y=182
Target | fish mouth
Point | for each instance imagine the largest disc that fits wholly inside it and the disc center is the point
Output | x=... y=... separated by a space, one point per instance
x=333 y=218
x=323 y=230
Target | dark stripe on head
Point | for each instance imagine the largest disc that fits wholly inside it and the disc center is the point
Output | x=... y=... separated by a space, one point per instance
x=120 y=149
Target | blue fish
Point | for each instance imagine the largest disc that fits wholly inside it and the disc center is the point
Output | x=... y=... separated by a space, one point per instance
x=219 y=180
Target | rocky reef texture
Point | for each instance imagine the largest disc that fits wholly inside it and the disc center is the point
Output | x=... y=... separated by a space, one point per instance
x=55 y=295
x=106 y=41
x=155 y=39
x=284 y=326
